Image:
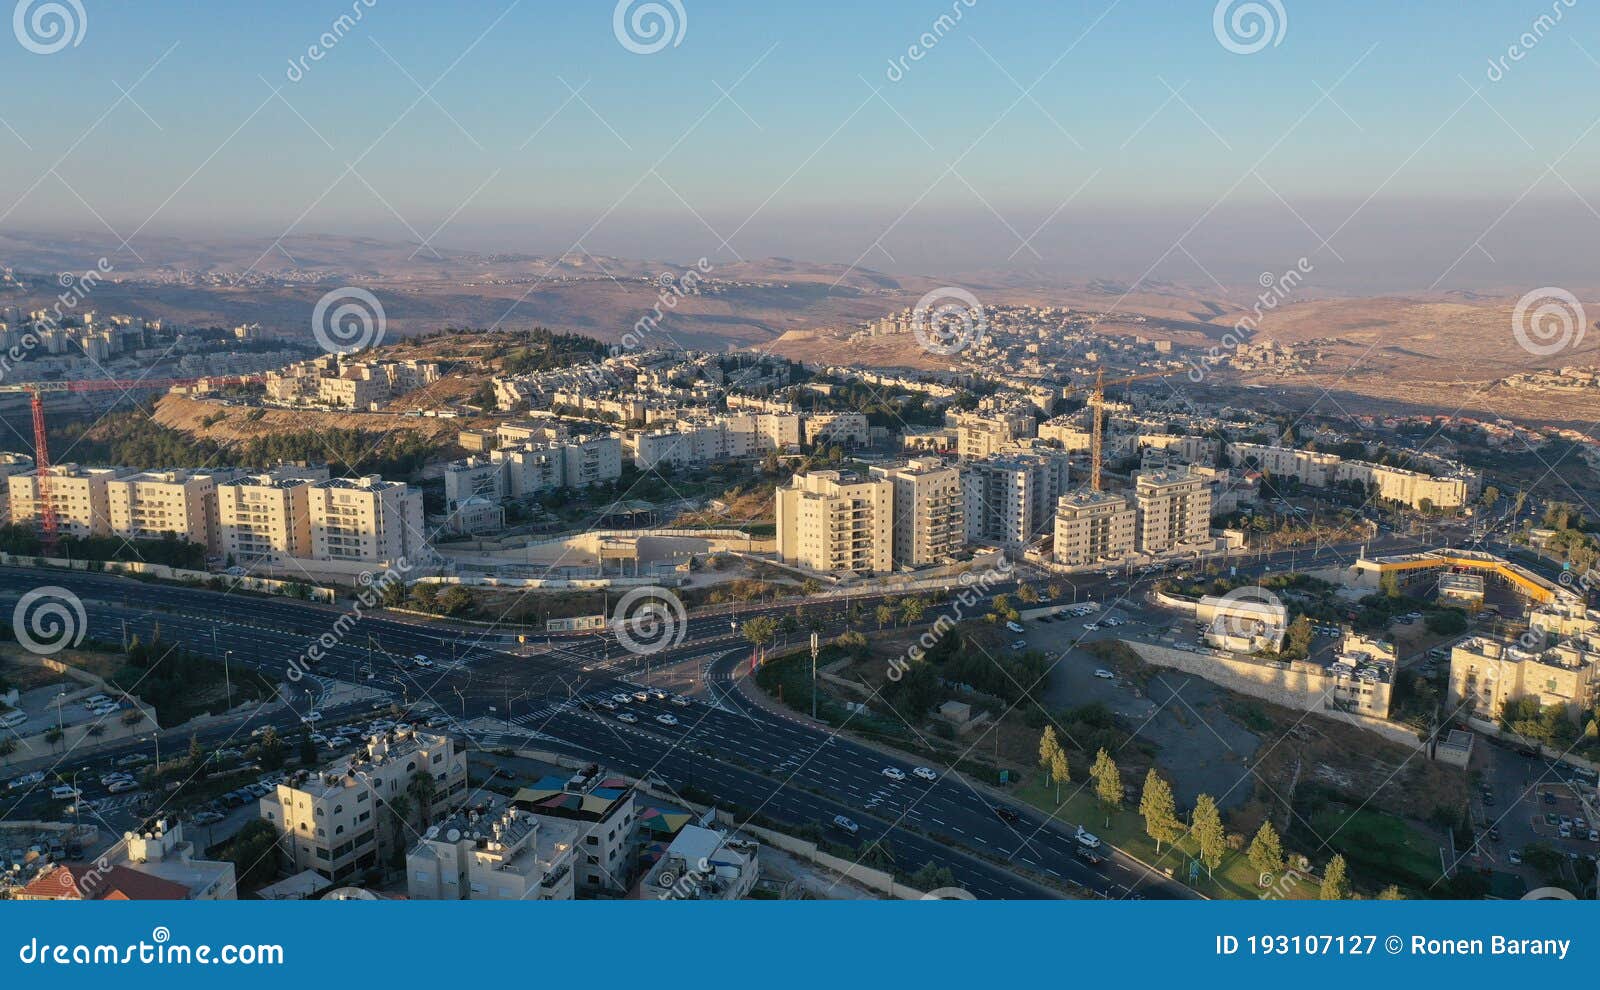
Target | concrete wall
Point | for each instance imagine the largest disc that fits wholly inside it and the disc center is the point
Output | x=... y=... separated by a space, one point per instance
x=1297 y=687
x=165 y=573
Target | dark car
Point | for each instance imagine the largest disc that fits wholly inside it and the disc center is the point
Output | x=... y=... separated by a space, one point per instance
x=1088 y=855
x=1549 y=798
x=1007 y=815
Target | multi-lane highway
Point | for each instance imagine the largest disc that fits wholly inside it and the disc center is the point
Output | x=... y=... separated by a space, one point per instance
x=758 y=762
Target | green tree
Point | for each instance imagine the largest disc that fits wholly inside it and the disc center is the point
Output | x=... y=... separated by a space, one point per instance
x=1049 y=746
x=885 y=615
x=1060 y=771
x=1026 y=594
x=1491 y=495
x=1208 y=832
x=911 y=610
x=1159 y=810
x=1300 y=634
x=1335 y=884
x=198 y=769
x=1107 y=781
x=1266 y=852
x=760 y=631
x=271 y=750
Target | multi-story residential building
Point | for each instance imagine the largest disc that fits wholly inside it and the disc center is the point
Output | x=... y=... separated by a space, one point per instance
x=1010 y=499
x=928 y=505
x=778 y=430
x=265 y=518
x=10 y=464
x=153 y=505
x=591 y=461
x=703 y=864
x=496 y=852
x=1093 y=528
x=605 y=811
x=1322 y=470
x=835 y=521
x=979 y=435
x=474 y=477
x=77 y=494
x=366 y=521
x=340 y=821
x=836 y=427
x=1190 y=450
x=528 y=467
x=1487 y=673
x=1363 y=676
x=353 y=390
x=153 y=863
x=1174 y=510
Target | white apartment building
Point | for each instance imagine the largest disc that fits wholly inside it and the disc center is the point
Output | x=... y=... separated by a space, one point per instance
x=77 y=494
x=1322 y=470
x=339 y=821
x=837 y=427
x=496 y=853
x=703 y=864
x=527 y=468
x=152 y=505
x=523 y=468
x=604 y=809
x=474 y=477
x=1174 y=511
x=592 y=461
x=353 y=390
x=1487 y=673
x=366 y=521
x=1010 y=500
x=980 y=436
x=831 y=521
x=1309 y=467
x=928 y=506
x=264 y=518
x=10 y=464
x=1093 y=528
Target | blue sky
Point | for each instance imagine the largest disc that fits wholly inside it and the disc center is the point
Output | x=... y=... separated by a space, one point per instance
x=1358 y=136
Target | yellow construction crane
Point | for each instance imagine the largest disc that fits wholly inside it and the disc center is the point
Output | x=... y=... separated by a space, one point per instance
x=1097 y=398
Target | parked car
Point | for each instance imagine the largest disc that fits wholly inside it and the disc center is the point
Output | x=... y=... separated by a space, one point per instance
x=311 y=717
x=207 y=818
x=1015 y=627
x=27 y=780
x=1515 y=857
x=1104 y=674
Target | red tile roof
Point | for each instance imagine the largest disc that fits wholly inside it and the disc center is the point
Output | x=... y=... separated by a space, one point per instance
x=87 y=882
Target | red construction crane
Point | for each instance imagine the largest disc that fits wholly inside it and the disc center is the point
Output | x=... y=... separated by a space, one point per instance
x=41 y=450
x=1097 y=399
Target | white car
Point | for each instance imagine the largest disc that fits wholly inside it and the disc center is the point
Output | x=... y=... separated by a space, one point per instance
x=319 y=739
x=64 y=792
x=311 y=717
x=667 y=719
x=27 y=780
x=628 y=717
x=120 y=786
x=1020 y=644
x=133 y=760
x=925 y=773
x=622 y=699
x=421 y=660
x=111 y=778
x=1015 y=627
x=894 y=773
x=1087 y=839
x=680 y=700
x=1091 y=626
x=1105 y=674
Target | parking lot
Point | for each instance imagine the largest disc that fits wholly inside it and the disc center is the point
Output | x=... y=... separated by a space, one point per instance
x=1201 y=748
x=1526 y=800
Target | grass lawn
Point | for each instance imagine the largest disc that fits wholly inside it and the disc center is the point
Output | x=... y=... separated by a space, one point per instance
x=1381 y=847
x=1236 y=878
